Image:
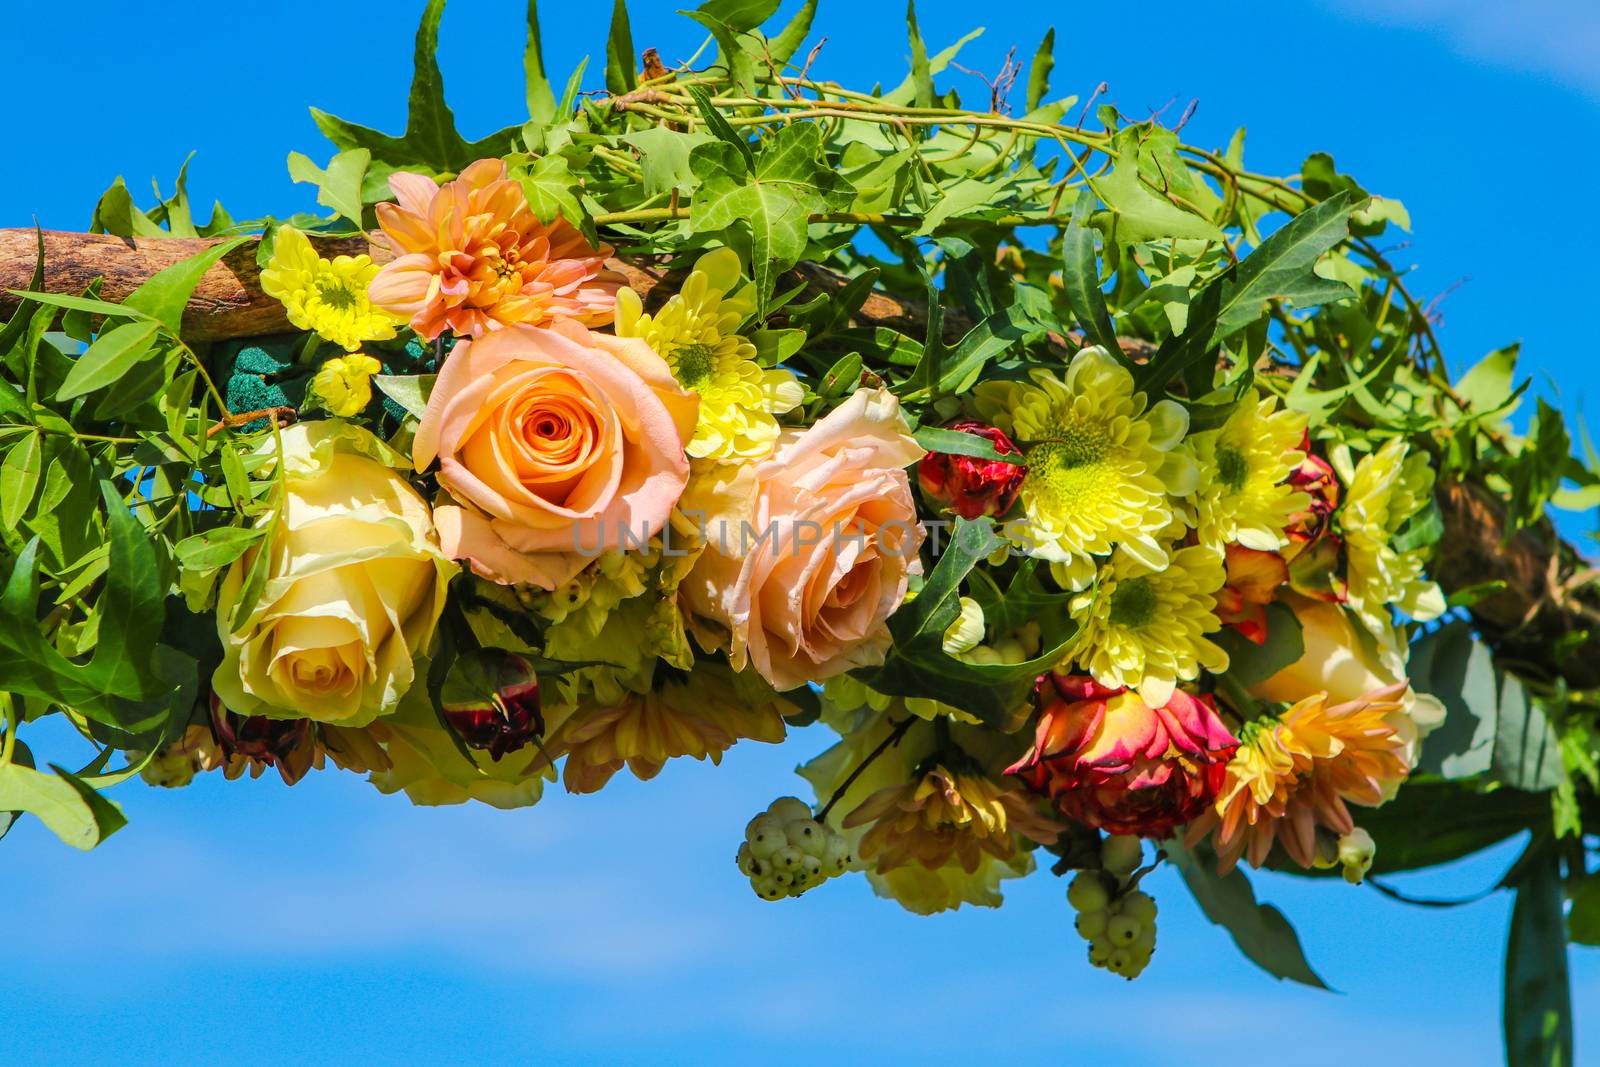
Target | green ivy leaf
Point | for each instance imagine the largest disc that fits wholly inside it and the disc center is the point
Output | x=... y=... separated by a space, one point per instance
x=773 y=196
x=621 y=76
x=1141 y=213
x=1262 y=933
x=664 y=158
x=339 y=186
x=431 y=139
x=72 y=810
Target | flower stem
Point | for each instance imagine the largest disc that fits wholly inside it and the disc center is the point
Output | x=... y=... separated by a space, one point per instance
x=894 y=737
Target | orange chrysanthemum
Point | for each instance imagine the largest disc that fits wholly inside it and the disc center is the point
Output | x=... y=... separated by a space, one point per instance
x=944 y=816
x=472 y=257
x=1298 y=773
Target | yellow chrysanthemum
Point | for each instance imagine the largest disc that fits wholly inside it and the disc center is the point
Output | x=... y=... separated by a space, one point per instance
x=1244 y=497
x=696 y=332
x=700 y=714
x=1146 y=629
x=344 y=384
x=1386 y=489
x=327 y=297
x=1100 y=465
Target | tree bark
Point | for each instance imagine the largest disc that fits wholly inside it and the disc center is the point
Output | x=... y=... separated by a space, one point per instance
x=229 y=303
x=1547 y=602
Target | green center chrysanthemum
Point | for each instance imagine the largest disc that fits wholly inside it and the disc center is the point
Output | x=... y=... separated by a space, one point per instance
x=1133 y=603
x=334 y=294
x=1232 y=467
x=1071 y=466
x=693 y=365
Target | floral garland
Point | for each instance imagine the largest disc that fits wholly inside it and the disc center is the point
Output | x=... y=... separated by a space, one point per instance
x=1063 y=567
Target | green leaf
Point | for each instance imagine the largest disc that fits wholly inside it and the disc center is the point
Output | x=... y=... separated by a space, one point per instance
x=1486 y=388
x=959 y=443
x=621 y=77
x=1141 y=213
x=918 y=666
x=130 y=676
x=112 y=356
x=740 y=15
x=73 y=811
x=736 y=58
x=167 y=293
x=431 y=138
x=1248 y=662
x=339 y=186
x=921 y=74
x=719 y=125
x=82 y=303
x=1537 y=1007
x=1458 y=670
x=1080 y=277
x=1527 y=752
x=1281 y=266
x=541 y=99
x=1044 y=61
x=1260 y=930
x=216 y=548
x=774 y=199
x=410 y=391
x=906 y=92
x=19 y=478
x=791 y=37
x=1583 y=921
x=664 y=158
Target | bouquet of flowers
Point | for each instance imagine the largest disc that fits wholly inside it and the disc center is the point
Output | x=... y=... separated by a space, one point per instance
x=1110 y=502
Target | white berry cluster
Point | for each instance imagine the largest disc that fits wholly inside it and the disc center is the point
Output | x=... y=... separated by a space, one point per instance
x=1118 y=921
x=787 y=852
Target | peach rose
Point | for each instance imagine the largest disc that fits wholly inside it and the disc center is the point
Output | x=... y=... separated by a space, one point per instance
x=802 y=582
x=556 y=444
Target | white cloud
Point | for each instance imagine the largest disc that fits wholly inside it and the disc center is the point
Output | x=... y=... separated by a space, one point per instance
x=1559 y=39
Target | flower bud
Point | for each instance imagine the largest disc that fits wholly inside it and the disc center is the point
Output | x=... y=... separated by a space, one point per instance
x=492 y=701
x=967 y=485
x=1356 y=850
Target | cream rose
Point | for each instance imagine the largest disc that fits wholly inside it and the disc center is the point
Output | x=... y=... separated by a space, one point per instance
x=355 y=584
x=1347 y=662
x=801 y=580
x=556 y=444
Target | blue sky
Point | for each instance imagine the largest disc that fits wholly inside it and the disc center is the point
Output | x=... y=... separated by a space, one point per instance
x=232 y=922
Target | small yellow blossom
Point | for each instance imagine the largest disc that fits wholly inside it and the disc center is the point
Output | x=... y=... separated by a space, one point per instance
x=327 y=297
x=344 y=384
x=1244 y=496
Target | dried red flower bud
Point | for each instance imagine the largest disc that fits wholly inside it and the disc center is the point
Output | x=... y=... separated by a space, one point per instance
x=1254 y=578
x=1315 y=476
x=967 y=485
x=493 y=703
x=286 y=744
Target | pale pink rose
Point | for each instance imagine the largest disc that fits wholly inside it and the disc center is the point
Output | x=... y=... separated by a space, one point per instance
x=829 y=537
x=472 y=257
x=556 y=444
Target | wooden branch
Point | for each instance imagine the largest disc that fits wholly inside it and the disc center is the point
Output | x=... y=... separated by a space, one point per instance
x=229 y=302
x=1547 y=598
